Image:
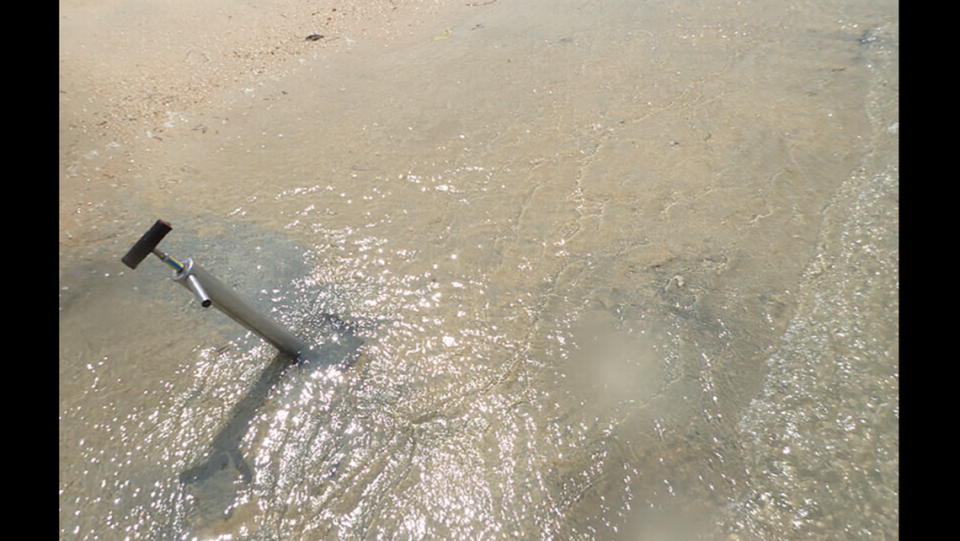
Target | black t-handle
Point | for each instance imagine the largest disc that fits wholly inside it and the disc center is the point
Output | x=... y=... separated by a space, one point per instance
x=146 y=244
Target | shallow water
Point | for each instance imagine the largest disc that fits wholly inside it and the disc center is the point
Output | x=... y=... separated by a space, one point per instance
x=578 y=270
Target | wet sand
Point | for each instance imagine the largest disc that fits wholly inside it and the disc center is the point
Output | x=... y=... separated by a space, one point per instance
x=619 y=270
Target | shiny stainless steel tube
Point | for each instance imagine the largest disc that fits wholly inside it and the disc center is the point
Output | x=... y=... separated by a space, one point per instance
x=212 y=292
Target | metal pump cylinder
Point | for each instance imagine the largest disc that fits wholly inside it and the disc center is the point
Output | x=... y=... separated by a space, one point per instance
x=212 y=292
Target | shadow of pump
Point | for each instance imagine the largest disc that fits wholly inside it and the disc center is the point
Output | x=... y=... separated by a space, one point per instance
x=340 y=352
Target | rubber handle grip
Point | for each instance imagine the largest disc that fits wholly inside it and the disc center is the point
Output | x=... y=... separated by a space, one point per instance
x=146 y=244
